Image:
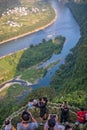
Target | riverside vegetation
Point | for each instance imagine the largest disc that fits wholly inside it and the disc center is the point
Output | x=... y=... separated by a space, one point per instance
x=24 y=17
x=24 y=63
x=17 y=63
x=70 y=81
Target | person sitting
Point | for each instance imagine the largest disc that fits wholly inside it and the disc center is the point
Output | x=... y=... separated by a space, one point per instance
x=67 y=127
x=8 y=125
x=25 y=124
x=52 y=123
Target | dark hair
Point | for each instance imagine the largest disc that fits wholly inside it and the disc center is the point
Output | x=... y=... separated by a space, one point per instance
x=25 y=116
x=67 y=127
x=51 y=124
x=82 y=109
x=31 y=100
x=7 y=122
x=45 y=99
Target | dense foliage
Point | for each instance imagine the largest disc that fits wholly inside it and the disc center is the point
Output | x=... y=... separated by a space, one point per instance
x=14 y=97
x=71 y=79
x=40 y=52
x=11 y=66
x=8 y=68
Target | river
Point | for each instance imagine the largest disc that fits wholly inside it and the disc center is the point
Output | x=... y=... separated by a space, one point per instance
x=64 y=25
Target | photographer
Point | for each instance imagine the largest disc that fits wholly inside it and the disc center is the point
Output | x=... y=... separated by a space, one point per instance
x=32 y=103
x=42 y=105
x=8 y=125
x=64 y=112
x=53 y=123
x=26 y=124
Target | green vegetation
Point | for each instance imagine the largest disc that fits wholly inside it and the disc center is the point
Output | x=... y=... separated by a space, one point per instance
x=52 y=108
x=10 y=100
x=51 y=65
x=70 y=81
x=20 y=64
x=14 y=97
x=27 y=17
x=41 y=52
x=16 y=64
x=32 y=74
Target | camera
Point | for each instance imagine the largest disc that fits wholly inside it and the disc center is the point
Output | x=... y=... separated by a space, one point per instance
x=53 y=116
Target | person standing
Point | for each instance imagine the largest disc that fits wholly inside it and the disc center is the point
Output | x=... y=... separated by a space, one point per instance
x=8 y=125
x=25 y=124
x=43 y=110
x=64 y=112
x=68 y=127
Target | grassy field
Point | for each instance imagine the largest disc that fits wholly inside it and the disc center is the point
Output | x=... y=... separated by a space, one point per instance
x=18 y=23
x=8 y=69
x=32 y=74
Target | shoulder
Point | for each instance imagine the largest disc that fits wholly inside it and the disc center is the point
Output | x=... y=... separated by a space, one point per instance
x=61 y=126
x=34 y=124
x=19 y=125
x=8 y=127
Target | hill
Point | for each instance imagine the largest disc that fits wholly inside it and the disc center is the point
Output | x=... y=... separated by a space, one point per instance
x=71 y=79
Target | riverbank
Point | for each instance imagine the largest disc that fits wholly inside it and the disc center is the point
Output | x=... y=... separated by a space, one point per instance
x=12 y=65
x=31 y=32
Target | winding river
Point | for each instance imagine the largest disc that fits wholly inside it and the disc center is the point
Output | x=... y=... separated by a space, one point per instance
x=64 y=25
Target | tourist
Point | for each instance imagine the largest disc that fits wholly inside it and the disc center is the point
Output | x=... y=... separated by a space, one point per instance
x=8 y=125
x=64 y=112
x=53 y=123
x=43 y=111
x=25 y=124
x=67 y=127
x=80 y=116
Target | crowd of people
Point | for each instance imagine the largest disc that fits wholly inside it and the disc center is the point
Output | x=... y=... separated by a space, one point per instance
x=28 y=122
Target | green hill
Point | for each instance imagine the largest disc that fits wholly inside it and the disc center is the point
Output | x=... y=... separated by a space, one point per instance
x=71 y=79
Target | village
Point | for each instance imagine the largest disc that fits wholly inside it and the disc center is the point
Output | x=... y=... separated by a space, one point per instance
x=18 y=12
